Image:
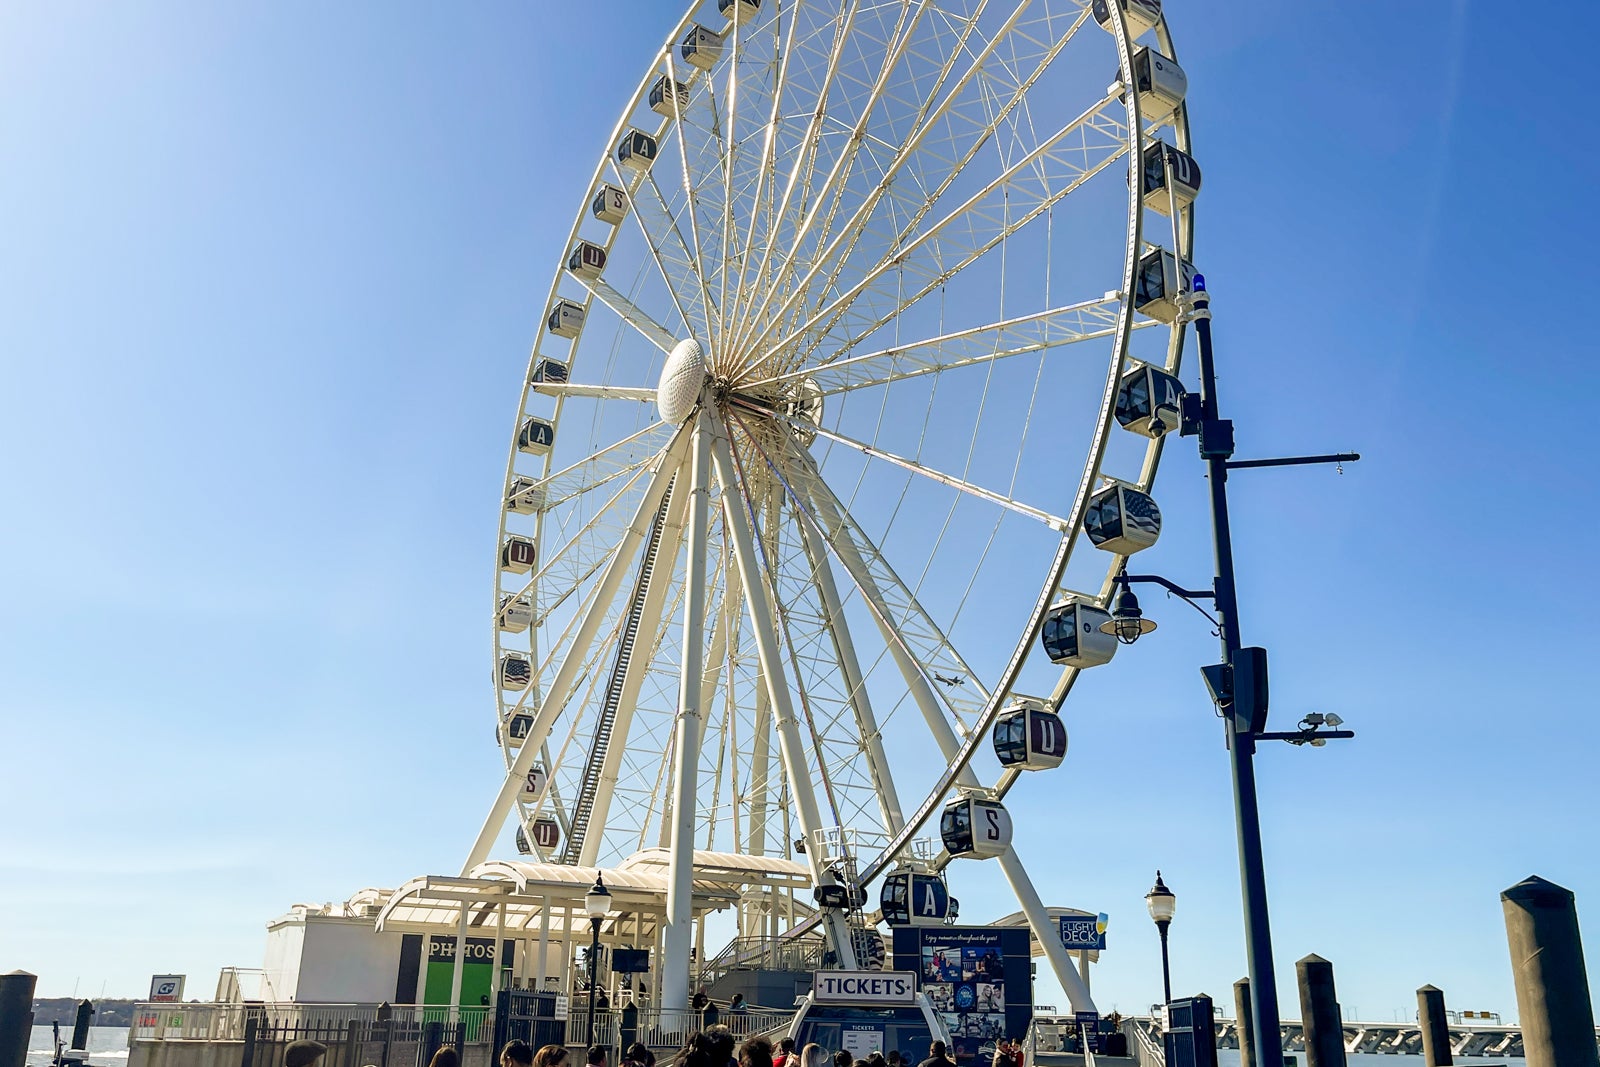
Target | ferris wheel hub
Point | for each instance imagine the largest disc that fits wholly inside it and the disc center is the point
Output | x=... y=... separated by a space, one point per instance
x=681 y=380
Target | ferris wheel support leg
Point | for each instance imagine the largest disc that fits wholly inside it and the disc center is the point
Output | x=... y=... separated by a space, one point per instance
x=791 y=746
x=1039 y=922
x=680 y=870
x=915 y=678
x=567 y=673
x=655 y=596
x=760 y=771
x=855 y=684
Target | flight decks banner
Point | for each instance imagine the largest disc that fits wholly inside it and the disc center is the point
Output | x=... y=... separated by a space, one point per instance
x=980 y=979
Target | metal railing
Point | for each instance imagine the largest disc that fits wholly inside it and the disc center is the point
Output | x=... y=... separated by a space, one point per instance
x=668 y=1028
x=226 y=1022
x=1142 y=1045
x=764 y=954
x=655 y=1027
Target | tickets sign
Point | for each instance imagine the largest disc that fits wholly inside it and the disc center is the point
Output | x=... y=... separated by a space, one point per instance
x=864 y=987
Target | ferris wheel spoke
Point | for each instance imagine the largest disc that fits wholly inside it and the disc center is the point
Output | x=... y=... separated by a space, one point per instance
x=556 y=695
x=614 y=716
x=648 y=327
x=691 y=204
x=578 y=559
x=1060 y=165
x=916 y=642
x=660 y=255
x=550 y=799
x=977 y=233
x=860 y=703
x=784 y=43
x=1054 y=522
x=848 y=160
x=628 y=454
x=979 y=346
x=917 y=204
x=803 y=170
x=856 y=130
x=915 y=199
x=680 y=255
x=791 y=747
x=581 y=553
x=812 y=107
x=597 y=392
x=920 y=126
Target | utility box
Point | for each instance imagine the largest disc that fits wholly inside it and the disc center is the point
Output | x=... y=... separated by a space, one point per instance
x=1191 y=1035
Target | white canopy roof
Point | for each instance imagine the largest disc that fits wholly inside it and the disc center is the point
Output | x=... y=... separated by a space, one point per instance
x=638 y=886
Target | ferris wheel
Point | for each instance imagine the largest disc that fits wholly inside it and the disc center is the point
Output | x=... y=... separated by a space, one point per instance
x=817 y=483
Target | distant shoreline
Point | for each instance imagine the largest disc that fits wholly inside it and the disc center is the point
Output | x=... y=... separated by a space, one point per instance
x=64 y=1010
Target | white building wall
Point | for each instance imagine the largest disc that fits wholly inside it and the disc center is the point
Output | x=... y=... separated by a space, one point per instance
x=325 y=959
x=346 y=960
x=285 y=939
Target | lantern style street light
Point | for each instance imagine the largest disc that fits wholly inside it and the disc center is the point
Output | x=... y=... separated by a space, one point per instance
x=596 y=904
x=1162 y=903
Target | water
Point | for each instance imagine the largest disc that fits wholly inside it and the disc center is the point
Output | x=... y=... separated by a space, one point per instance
x=108 y=1045
x=1229 y=1057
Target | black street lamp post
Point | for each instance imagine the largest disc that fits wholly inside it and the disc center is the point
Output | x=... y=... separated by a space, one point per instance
x=596 y=903
x=1239 y=683
x=1162 y=904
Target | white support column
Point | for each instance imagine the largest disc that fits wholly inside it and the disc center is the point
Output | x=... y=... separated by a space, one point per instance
x=567 y=674
x=855 y=683
x=569 y=948
x=760 y=772
x=460 y=963
x=680 y=871
x=791 y=746
x=1083 y=969
x=1039 y=922
x=658 y=942
x=499 y=953
x=422 y=971
x=544 y=946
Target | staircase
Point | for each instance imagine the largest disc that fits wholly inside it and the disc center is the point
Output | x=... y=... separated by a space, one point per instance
x=583 y=808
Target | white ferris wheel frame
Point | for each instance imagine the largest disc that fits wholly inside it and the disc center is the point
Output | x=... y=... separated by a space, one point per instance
x=698 y=451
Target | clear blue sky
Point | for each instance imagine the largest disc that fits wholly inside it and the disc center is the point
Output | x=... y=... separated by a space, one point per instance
x=268 y=278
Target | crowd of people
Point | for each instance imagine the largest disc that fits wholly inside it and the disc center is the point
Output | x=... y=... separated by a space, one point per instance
x=716 y=1046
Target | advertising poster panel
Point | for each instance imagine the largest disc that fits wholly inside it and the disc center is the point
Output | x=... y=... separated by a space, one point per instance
x=980 y=980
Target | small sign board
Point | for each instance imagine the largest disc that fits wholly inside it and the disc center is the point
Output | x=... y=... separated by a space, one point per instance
x=1089 y=1027
x=563 y=1005
x=861 y=1039
x=1083 y=931
x=166 y=988
x=864 y=987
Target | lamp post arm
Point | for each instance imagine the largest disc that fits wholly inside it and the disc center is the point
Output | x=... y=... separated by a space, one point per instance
x=1171 y=587
x=1188 y=596
x=1300 y=737
x=1292 y=461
